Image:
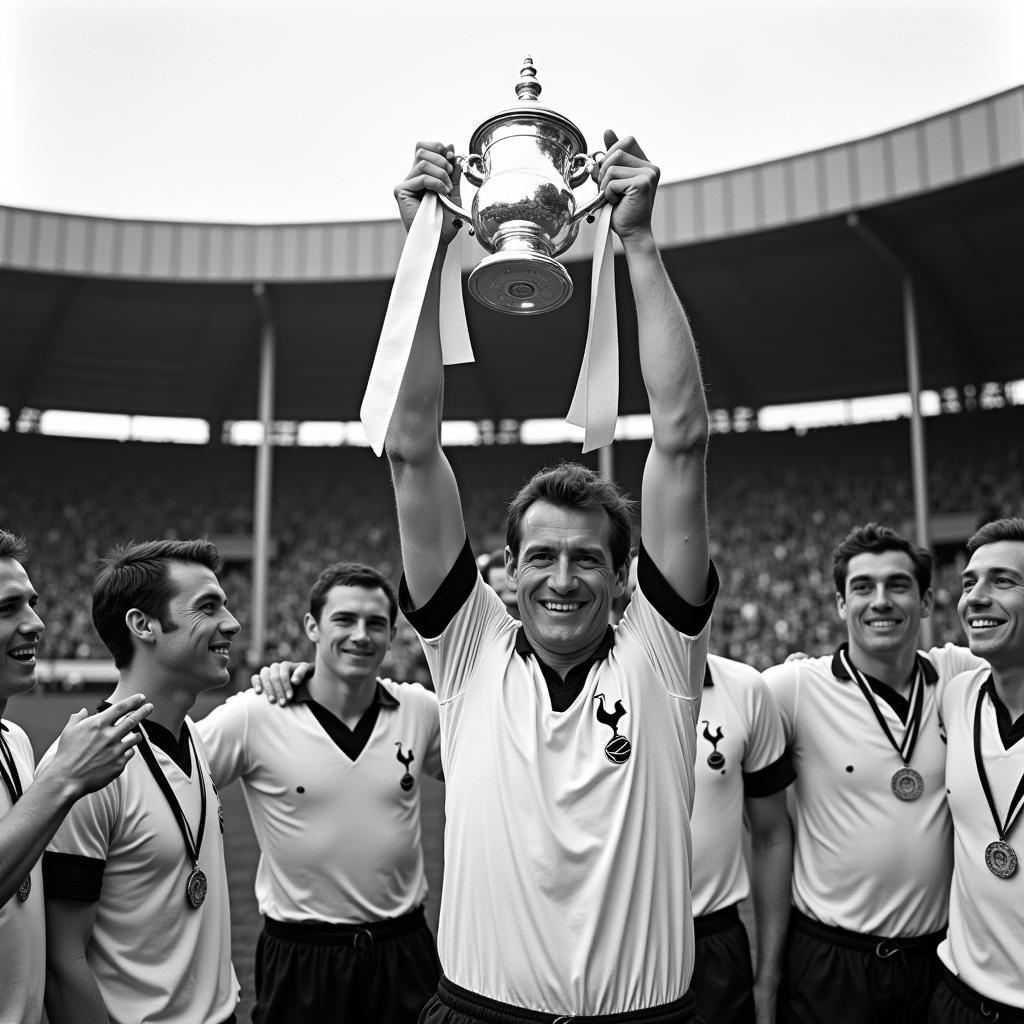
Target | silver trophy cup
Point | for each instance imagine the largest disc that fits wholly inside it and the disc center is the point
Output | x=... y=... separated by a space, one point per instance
x=525 y=161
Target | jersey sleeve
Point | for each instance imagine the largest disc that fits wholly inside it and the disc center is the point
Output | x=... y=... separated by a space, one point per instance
x=432 y=732
x=77 y=854
x=950 y=660
x=458 y=625
x=767 y=766
x=672 y=633
x=225 y=736
x=783 y=682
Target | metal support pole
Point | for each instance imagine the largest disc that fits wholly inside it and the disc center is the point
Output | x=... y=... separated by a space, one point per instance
x=606 y=462
x=263 y=484
x=918 y=455
x=918 y=452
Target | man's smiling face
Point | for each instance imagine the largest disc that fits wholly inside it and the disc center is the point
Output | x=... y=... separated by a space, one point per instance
x=992 y=605
x=20 y=629
x=564 y=579
x=882 y=605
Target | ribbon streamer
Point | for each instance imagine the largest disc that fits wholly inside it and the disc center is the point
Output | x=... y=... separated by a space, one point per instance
x=403 y=314
x=595 y=404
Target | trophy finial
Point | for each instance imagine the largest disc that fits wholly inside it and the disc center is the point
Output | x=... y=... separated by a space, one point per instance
x=528 y=88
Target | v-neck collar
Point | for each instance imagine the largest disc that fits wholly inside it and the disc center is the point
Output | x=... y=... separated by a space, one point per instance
x=351 y=742
x=892 y=697
x=562 y=693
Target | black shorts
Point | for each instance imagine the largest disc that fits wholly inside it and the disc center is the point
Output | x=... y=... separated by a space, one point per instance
x=455 y=1005
x=344 y=974
x=723 y=975
x=957 y=1003
x=832 y=976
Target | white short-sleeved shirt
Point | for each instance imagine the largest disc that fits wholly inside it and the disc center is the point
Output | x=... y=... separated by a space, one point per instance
x=741 y=752
x=22 y=924
x=863 y=859
x=339 y=838
x=567 y=845
x=984 y=945
x=156 y=960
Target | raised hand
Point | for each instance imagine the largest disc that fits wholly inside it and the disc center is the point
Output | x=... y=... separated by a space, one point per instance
x=434 y=170
x=629 y=182
x=94 y=749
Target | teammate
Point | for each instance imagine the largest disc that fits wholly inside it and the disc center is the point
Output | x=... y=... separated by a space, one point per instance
x=332 y=783
x=983 y=712
x=136 y=890
x=872 y=854
x=568 y=746
x=742 y=771
x=495 y=576
x=89 y=753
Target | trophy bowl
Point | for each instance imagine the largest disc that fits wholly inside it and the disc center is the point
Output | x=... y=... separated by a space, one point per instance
x=525 y=162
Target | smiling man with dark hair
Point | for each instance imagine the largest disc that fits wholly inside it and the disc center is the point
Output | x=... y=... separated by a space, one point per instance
x=872 y=858
x=137 y=894
x=332 y=785
x=89 y=753
x=983 y=710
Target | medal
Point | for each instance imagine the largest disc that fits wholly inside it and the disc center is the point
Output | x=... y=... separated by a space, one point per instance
x=195 y=888
x=1000 y=856
x=12 y=781
x=907 y=784
x=196 y=885
x=1001 y=859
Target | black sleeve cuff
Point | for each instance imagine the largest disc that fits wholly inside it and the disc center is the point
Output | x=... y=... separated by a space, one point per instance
x=680 y=614
x=69 y=876
x=771 y=779
x=433 y=618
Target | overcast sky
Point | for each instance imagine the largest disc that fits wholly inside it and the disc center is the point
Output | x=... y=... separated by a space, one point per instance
x=304 y=110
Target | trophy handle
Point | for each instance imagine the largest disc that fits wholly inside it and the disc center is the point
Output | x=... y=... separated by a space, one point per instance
x=579 y=170
x=472 y=168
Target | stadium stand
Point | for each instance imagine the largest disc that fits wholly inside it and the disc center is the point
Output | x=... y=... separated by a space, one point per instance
x=779 y=502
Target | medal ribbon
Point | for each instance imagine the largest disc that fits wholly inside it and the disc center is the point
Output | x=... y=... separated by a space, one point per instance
x=1013 y=812
x=12 y=780
x=913 y=729
x=192 y=844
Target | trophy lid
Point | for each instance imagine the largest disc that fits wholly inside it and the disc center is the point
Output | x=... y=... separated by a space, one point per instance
x=528 y=88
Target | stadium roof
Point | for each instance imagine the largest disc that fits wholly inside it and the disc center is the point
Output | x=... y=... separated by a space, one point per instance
x=790 y=271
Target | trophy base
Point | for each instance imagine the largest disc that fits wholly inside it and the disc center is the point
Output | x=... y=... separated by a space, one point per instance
x=520 y=283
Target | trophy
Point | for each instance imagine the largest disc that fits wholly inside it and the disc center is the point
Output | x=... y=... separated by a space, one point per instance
x=525 y=161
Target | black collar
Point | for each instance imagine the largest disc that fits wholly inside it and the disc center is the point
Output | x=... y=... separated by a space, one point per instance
x=381 y=696
x=1010 y=731
x=524 y=647
x=931 y=674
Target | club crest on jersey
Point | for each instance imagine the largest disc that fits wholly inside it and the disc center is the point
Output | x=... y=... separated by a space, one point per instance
x=618 y=748
x=407 y=780
x=716 y=761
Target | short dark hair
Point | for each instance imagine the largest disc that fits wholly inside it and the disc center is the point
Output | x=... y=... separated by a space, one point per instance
x=136 y=575
x=1011 y=528
x=873 y=538
x=13 y=546
x=350 y=574
x=570 y=485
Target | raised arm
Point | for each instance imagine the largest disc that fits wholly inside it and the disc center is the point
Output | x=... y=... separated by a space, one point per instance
x=430 y=522
x=674 y=508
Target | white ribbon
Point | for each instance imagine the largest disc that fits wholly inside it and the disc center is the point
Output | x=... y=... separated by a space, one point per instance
x=403 y=314
x=595 y=404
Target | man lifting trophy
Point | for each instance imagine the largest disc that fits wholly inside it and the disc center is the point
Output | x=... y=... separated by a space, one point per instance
x=567 y=868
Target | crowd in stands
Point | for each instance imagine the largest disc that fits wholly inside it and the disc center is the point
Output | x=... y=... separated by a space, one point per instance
x=778 y=504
